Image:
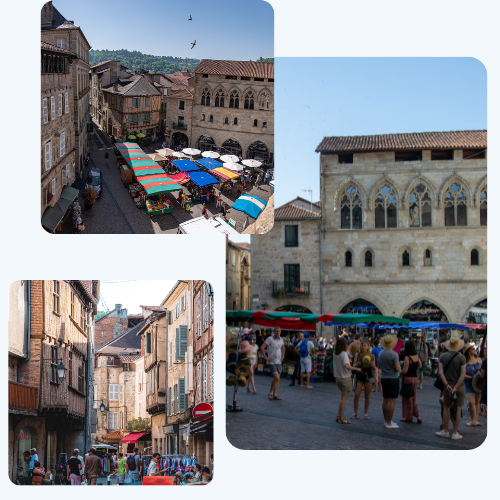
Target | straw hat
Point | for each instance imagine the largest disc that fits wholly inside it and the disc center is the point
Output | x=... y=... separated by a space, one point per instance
x=366 y=359
x=241 y=381
x=243 y=370
x=454 y=344
x=388 y=341
x=477 y=383
x=232 y=345
x=467 y=347
x=231 y=381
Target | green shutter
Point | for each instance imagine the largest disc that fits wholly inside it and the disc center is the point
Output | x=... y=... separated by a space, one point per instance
x=181 y=396
x=183 y=341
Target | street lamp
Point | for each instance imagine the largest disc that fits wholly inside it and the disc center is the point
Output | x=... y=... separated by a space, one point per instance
x=102 y=407
x=61 y=371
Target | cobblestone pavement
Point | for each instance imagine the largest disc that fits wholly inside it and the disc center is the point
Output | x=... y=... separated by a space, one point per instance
x=305 y=420
x=115 y=212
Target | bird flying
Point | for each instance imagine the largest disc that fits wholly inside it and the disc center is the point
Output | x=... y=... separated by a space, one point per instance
x=193 y=44
x=190 y=18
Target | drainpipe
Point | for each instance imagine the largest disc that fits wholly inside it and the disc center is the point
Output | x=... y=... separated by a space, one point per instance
x=28 y=333
x=87 y=380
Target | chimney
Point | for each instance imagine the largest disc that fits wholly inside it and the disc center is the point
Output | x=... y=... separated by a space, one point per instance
x=115 y=86
x=47 y=14
x=114 y=71
x=118 y=307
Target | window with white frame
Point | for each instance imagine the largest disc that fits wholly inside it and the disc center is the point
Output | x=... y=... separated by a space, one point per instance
x=172 y=401
x=52 y=108
x=177 y=310
x=206 y=318
x=65 y=175
x=112 y=420
x=59 y=104
x=45 y=110
x=60 y=43
x=53 y=187
x=48 y=155
x=139 y=382
x=198 y=314
x=95 y=396
x=121 y=392
x=211 y=383
x=113 y=392
x=62 y=144
x=205 y=378
x=198 y=382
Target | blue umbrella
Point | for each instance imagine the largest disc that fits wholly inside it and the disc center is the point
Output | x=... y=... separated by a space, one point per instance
x=250 y=205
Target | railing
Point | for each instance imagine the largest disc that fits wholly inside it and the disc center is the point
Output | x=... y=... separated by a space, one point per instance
x=22 y=397
x=286 y=289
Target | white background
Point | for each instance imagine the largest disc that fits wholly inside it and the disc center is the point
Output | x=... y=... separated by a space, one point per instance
x=312 y=28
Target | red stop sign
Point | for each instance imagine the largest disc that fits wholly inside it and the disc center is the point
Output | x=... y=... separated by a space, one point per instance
x=202 y=409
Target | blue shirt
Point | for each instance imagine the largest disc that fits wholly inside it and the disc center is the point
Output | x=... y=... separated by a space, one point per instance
x=34 y=458
x=376 y=352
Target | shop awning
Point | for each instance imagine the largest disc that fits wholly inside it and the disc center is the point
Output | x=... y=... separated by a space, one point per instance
x=54 y=215
x=356 y=319
x=250 y=205
x=51 y=218
x=132 y=438
x=209 y=163
x=203 y=179
x=224 y=173
x=475 y=326
x=180 y=177
x=185 y=166
x=69 y=193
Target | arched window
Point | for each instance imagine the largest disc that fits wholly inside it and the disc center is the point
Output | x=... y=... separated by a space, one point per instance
x=255 y=123
x=368 y=259
x=234 y=99
x=386 y=208
x=219 y=99
x=474 y=258
x=235 y=121
x=348 y=259
x=406 y=258
x=420 y=207
x=249 y=100
x=483 y=208
x=202 y=118
x=264 y=100
x=455 y=206
x=226 y=120
x=211 y=120
x=205 y=97
x=427 y=258
x=351 y=213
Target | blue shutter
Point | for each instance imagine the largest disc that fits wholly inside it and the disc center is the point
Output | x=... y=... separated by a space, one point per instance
x=183 y=342
x=177 y=344
x=181 y=396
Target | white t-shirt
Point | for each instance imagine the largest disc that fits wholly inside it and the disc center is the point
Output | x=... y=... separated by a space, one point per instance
x=339 y=362
x=153 y=467
x=274 y=348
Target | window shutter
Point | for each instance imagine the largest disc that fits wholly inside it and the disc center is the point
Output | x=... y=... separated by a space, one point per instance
x=198 y=314
x=212 y=375
x=172 y=401
x=167 y=402
x=59 y=102
x=170 y=354
x=64 y=172
x=177 y=343
x=45 y=111
x=183 y=341
x=53 y=187
x=66 y=103
x=121 y=392
x=205 y=378
x=198 y=382
x=52 y=108
x=181 y=396
x=48 y=158
x=211 y=304
x=62 y=144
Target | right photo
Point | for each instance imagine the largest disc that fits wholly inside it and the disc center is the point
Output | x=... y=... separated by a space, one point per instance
x=360 y=320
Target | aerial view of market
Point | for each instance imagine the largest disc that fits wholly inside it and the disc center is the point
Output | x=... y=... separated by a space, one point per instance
x=111 y=396
x=360 y=320
x=141 y=144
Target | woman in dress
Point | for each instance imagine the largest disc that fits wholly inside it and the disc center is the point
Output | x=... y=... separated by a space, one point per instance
x=409 y=375
x=473 y=366
x=367 y=374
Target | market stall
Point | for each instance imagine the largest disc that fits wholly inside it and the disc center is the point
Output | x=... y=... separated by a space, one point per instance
x=250 y=205
x=209 y=163
x=156 y=187
x=185 y=166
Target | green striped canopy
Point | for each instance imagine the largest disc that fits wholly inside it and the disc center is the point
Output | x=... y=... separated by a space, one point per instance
x=150 y=171
x=142 y=163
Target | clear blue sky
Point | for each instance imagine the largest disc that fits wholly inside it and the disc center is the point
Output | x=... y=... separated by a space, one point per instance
x=317 y=97
x=223 y=29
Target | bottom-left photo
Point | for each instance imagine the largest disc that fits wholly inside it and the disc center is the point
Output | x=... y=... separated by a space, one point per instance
x=111 y=382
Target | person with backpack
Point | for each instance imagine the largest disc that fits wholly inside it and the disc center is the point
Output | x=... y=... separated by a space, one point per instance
x=304 y=349
x=134 y=466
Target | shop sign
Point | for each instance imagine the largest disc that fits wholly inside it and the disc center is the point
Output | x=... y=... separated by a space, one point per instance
x=24 y=435
x=171 y=429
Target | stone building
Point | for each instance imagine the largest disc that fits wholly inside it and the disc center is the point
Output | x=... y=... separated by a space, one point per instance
x=233 y=109
x=59 y=32
x=286 y=260
x=403 y=228
x=58 y=159
x=110 y=326
x=238 y=291
x=51 y=327
x=124 y=103
x=116 y=385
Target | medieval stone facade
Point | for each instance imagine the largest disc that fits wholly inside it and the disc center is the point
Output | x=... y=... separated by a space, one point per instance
x=111 y=325
x=238 y=291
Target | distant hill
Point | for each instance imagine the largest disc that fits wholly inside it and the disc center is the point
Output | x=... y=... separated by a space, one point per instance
x=134 y=60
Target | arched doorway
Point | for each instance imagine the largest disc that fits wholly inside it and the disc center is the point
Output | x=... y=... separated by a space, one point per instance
x=206 y=143
x=180 y=139
x=27 y=438
x=231 y=147
x=360 y=306
x=425 y=310
x=478 y=314
x=258 y=151
x=293 y=308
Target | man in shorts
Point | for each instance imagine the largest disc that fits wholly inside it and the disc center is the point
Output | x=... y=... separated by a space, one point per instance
x=388 y=362
x=121 y=469
x=305 y=361
x=423 y=354
x=273 y=351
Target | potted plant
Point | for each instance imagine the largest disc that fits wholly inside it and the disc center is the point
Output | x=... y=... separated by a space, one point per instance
x=90 y=196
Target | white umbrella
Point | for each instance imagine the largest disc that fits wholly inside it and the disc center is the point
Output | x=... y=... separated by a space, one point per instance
x=191 y=151
x=252 y=163
x=165 y=152
x=179 y=155
x=210 y=154
x=231 y=165
x=157 y=157
x=229 y=158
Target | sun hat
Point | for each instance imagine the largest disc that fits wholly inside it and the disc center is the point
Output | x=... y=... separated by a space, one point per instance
x=388 y=341
x=454 y=344
x=231 y=381
x=477 y=383
x=419 y=335
x=243 y=370
x=246 y=331
x=241 y=381
x=467 y=347
x=366 y=359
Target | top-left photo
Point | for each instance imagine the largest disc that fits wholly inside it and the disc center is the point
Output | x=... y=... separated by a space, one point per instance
x=157 y=118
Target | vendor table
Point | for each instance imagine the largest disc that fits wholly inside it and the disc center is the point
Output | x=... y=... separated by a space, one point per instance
x=158 y=208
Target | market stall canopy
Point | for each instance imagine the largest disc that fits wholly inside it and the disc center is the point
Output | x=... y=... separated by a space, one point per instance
x=356 y=319
x=180 y=177
x=252 y=163
x=127 y=145
x=209 y=163
x=165 y=152
x=210 y=154
x=135 y=156
x=178 y=154
x=191 y=151
x=250 y=205
x=225 y=174
x=158 y=184
x=141 y=135
x=157 y=157
x=131 y=137
x=234 y=167
x=475 y=326
x=142 y=171
x=203 y=179
x=133 y=437
x=142 y=163
x=226 y=158
x=186 y=166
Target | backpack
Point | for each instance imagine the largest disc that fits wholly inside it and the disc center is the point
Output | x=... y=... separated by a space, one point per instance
x=303 y=350
x=131 y=462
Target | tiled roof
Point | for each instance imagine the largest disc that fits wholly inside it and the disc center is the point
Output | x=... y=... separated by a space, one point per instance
x=125 y=342
x=182 y=94
x=114 y=435
x=421 y=140
x=137 y=85
x=59 y=22
x=101 y=63
x=236 y=68
x=53 y=48
x=293 y=212
x=153 y=308
x=128 y=358
x=243 y=246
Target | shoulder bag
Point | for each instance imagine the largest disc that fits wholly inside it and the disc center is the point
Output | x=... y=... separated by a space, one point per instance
x=438 y=384
x=407 y=388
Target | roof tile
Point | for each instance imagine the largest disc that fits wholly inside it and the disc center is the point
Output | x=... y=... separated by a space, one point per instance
x=293 y=212
x=236 y=68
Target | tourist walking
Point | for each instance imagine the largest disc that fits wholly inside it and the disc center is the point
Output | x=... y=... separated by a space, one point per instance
x=74 y=469
x=304 y=349
x=342 y=373
x=133 y=466
x=423 y=354
x=296 y=364
x=388 y=362
x=218 y=200
x=473 y=366
x=222 y=211
x=409 y=384
x=452 y=366
x=254 y=363
x=121 y=469
x=82 y=461
x=93 y=467
x=364 y=360
x=376 y=371
x=274 y=358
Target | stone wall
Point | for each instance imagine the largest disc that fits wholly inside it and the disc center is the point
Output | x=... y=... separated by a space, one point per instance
x=233 y=278
x=114 y=324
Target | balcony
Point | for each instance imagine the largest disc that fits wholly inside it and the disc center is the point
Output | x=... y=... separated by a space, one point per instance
x=155 y=403
x=179 y=126
x=22 y=398
x=282 y=289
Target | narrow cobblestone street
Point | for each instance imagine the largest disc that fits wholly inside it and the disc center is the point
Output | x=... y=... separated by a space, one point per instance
x=305 y=420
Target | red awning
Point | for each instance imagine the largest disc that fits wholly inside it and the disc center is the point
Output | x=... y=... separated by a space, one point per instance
x=132 y=438
x=479 y=326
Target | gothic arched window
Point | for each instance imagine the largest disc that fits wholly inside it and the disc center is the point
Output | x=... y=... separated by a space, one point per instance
x=368 y=259
x=406 y=258
x=249 y=100
x=219 y=99
x=420 y=207
x=234 y=99
x=483 y=208
x=386 y=208
x=474 y=258
x=348 y=259
x=205 y=97
x=351 y=213
x=455 y=206
x=264 y=100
